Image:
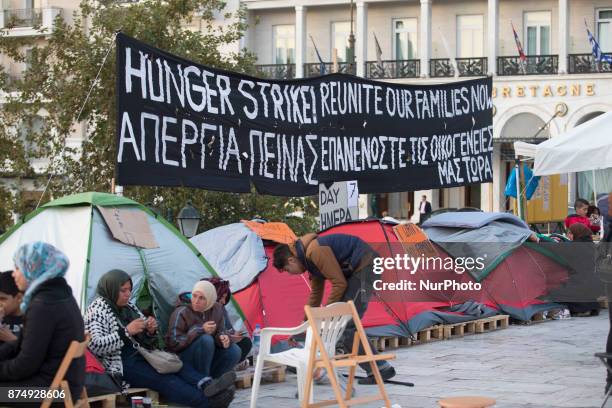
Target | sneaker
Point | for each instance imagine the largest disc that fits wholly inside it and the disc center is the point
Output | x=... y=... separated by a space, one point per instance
x=222 y=383
x=241 y=366
x=224 y=398
x=386 y=374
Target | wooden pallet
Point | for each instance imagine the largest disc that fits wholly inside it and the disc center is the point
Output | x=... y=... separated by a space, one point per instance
x=492 y=323
x=274 y=373
x=452 y=331
x=383 y=343
x=429 y=334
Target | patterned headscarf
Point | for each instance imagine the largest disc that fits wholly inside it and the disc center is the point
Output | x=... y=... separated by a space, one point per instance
x=222 y=287
x=39 y=262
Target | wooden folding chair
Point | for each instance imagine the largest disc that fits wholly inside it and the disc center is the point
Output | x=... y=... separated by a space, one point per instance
x=75 y=350
x=324 y=321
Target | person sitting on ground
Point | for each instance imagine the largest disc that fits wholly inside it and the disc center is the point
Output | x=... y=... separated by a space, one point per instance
x=52 y=320
x=240 y=339
x=11 y=317
x=579 y=232
x=594 y=216
x=112 y=320
x=348 y=263
x=196 y=332
x=581 y=206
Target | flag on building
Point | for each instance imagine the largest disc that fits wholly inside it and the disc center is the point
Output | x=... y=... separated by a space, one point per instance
x=596 y=49
x=321 y=63
x=378 y=54
x=519 y=46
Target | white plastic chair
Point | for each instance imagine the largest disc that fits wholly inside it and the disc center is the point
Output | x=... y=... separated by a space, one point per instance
x=295 y=357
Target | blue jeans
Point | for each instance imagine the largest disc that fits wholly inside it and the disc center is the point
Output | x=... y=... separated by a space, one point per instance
x=180 y=388
x=210 y=360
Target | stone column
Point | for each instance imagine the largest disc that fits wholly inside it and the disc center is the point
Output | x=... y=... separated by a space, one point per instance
x=492 y=35
x=300 y=40
x=361 y=44
x=563 y=34
x=425 y=37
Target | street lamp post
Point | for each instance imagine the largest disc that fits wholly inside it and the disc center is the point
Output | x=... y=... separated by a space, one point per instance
x=188 y=220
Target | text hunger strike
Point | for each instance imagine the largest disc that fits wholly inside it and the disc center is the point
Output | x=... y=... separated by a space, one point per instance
x=158 y=80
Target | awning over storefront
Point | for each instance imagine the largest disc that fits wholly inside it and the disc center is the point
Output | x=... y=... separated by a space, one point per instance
x=583 y=148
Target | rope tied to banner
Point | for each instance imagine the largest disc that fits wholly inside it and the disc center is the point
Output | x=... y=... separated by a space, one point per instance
x=93 y=84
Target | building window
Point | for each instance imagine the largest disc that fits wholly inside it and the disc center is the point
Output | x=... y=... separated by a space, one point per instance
x=404 y=38
x=28 y=60
x=537 y=32
x=29 y=130
x=470 y=31
x=340 y=39
x=604 y=29
x=284 y=44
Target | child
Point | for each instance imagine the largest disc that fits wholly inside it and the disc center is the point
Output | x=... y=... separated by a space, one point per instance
x=582 y=207
x=595 y=218
x=10 y=312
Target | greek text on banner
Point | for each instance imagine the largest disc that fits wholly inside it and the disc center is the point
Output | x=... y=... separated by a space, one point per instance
x=184 y=124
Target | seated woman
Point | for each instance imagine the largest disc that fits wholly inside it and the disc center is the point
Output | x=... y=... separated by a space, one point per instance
x=52 y=321
x=197 y=332
x=112 y=320
x=242 y=341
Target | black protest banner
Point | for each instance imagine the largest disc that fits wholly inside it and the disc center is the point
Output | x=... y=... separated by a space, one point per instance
x=184 y=124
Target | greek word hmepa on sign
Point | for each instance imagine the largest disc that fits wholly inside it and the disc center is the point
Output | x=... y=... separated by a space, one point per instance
x=338 y=203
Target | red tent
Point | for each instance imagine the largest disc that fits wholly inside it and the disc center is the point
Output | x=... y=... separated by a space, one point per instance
x=277 y=299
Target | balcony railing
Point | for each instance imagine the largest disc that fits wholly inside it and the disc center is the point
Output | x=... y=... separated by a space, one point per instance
x=586 y=64
x=23 y=18
x=313 y=69
x=393 y=69
x=276 y=71
x=443 y=67
x=469 y=67
x=533 y=65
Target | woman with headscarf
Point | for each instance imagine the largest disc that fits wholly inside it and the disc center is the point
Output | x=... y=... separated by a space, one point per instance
x=112 y=320
x=240 y=339
x=52 y=320
x=197 y=332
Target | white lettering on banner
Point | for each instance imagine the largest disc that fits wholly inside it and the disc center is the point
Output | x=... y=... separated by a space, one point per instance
x=460 y=157
x=191 y=117
x=160 y=78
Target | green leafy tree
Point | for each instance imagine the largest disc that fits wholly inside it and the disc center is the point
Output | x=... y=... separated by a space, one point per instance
x=62 y=70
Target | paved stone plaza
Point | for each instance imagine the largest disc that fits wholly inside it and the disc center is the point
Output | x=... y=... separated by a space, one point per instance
x=544 y=365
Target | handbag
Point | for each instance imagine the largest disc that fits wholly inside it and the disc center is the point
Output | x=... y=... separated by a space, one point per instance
x=162 y=361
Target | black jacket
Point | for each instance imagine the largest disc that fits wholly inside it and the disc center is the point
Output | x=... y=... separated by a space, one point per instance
x=53 y=320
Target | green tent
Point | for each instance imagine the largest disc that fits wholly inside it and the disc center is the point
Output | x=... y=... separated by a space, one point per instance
x=80 y=226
